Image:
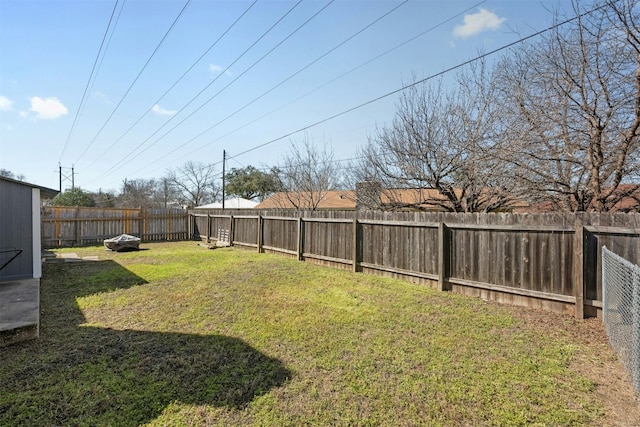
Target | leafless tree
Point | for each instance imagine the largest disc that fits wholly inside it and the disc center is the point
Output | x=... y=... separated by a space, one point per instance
x=571 y=111
x=145 y=193
x=137 y=193
x=9 y=174
x=441 y=140
x=306 y=175
x=166 y=194
x=194 y=183
x=105 y=198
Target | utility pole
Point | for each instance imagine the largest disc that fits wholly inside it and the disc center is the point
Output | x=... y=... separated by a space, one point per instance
x=224 y=159
x=66 y=174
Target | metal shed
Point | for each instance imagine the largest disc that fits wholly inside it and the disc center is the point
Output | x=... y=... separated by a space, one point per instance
x=20 y=259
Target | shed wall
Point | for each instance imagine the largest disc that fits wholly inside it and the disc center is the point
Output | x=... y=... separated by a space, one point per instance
x=16 y=230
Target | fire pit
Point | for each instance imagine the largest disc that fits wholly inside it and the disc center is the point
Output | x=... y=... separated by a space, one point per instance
x=123 y=242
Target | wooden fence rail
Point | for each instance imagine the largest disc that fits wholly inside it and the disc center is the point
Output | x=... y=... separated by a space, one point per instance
x=545 y=261
x=66 y=226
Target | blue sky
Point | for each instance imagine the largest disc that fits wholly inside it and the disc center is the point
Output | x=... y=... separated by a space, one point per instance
x=252 y=89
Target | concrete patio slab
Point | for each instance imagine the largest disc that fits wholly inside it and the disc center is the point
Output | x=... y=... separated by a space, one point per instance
x=19 y=310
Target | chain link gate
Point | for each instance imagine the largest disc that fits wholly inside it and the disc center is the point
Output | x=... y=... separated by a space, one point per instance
x=621 y=310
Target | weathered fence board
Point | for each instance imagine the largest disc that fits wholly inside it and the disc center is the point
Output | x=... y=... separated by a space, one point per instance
x=68 y=226
x=245 y=231
x=280 y=233
x=331 y=240
x=522 y=259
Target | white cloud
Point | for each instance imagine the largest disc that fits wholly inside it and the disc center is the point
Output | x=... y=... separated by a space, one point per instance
x=475 y=23
x=5 y=103
x=102 y=96
x=46 y=108
x=161 y=111
x=217 y=68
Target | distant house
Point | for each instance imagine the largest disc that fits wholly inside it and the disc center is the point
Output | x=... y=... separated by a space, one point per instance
x=631 y=200
x=20 y=259
x=431 y=200
x=366 y=196
x=235 y=203
x=628 y=201
x=334 y=199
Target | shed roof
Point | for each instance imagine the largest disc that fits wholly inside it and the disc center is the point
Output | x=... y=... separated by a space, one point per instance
x=45 y=192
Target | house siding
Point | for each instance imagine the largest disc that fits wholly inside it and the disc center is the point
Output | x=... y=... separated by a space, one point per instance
x=16 y=229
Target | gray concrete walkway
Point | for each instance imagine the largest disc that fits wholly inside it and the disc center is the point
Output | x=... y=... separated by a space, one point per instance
x=20 y=302
x=19 y=310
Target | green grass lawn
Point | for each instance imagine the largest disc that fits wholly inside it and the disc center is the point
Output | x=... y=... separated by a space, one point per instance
x=180 y=335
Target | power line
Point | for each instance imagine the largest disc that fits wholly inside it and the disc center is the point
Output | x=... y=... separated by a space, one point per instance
x=84 y=94
x=266 y=169
x=115 y=26
x=279 y=84
x=176 y=82
x=403 y=88
x=229 y=84
x=455 y=67
x=135 y=80
x=421 y=81
x=206 y=87
x=319 y=87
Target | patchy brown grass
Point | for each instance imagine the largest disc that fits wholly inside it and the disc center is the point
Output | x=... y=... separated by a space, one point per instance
x=600 y=365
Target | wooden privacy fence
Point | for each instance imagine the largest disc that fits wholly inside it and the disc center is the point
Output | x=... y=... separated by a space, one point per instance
x=68 y=226
x=547 y=261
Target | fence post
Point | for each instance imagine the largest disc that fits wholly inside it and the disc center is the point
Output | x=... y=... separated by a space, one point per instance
x=126 y=220
x=259 y=234
x=207 y=240
x=300 y=238
x=169 y=235
x=635 y=327
x=185 y=226
x=192 y=227
x=355 y=245
x=57 y=225
x=231 y=230
x=578 y=268
x=77 y=227
x=142 y=224
x=443 y=257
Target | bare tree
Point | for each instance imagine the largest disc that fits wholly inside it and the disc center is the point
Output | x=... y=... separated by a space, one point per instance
x=195 y=183
x=441 y=141
x=306 y=175
x=8 y=174
x=166 y=194
x=572 y=111
x=138 y=193
x=104 y=198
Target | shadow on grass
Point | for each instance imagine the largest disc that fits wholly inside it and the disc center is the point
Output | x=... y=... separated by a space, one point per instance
x=75 y=375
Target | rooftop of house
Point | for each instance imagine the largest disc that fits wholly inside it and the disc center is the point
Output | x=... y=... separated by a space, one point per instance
x=233 y=203
x=396 y=199
x=333 y=199
x=629 y=202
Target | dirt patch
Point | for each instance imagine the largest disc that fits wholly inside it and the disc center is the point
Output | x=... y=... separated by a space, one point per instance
x=593 y=359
